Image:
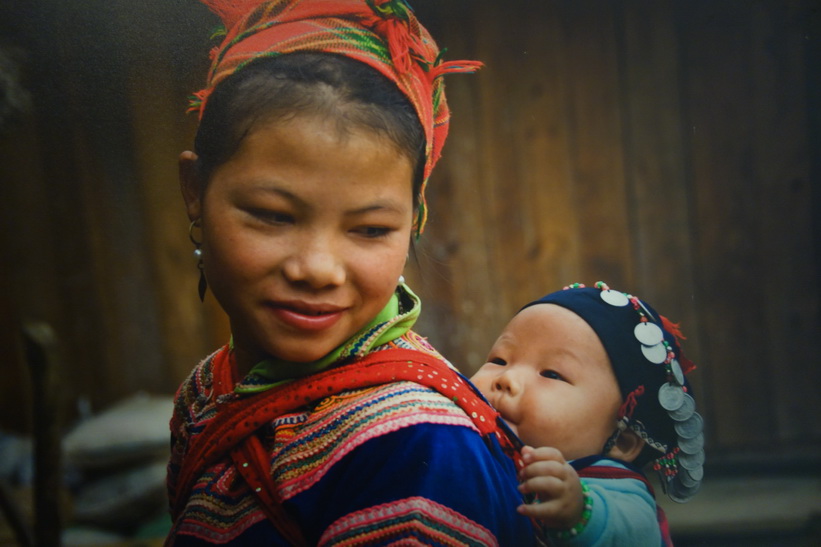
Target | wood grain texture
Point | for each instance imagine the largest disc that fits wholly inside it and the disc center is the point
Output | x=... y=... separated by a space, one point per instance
x=668 y=148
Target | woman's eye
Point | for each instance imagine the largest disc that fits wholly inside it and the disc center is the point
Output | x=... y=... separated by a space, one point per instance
x=272 y=217
x=498 y=361
x=551 y=374
x=373 y=232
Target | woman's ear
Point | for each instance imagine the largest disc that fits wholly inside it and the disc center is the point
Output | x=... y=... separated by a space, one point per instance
x=627 y=447
x=190 y=185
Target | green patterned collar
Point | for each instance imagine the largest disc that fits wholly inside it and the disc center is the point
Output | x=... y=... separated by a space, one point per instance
x=395 y=319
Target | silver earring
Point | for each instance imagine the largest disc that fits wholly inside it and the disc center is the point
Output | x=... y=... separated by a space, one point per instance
x=203 y=284
x=401 y=279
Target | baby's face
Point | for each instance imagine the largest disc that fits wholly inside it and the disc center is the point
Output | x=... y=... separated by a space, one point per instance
x=550 y=378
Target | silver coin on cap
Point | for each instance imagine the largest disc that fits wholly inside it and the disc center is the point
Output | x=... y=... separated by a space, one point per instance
x=671 y=396
x=614 y=298
x=675 y=369
x=655 y=354
x=647 y=312
x=648 y=333
x=691 y=427
x=686 y=409
x=686 y=479
x=696 y=474
x=693 y=445
x=680 y=493
x=692 y=461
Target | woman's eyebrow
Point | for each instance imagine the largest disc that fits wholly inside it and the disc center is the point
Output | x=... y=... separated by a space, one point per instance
x=386 y=205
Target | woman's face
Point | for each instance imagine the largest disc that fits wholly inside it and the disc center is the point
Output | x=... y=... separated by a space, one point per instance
x=305 y=232
x=549 y=377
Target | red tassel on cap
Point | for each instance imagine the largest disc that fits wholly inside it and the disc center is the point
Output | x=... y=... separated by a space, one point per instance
x=630 y=402
x=675 y=330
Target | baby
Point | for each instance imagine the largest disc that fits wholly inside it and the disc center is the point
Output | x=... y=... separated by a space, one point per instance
x=592 y=382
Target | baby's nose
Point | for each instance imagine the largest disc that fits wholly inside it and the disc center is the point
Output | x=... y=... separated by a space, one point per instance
x=509 y=382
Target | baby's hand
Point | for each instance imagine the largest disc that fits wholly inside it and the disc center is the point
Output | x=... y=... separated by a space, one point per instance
x=555 y=483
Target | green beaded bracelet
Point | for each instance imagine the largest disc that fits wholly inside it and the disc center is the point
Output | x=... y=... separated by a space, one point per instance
x=586 y=512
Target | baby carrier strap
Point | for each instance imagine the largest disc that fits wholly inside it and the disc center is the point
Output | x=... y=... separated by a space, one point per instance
x=613 y=472
x=231 y=431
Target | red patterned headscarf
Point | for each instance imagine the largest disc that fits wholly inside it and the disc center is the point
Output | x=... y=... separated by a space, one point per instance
x=383 y=34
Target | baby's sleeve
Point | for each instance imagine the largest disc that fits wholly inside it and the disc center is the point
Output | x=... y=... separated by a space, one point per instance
x=623 y=513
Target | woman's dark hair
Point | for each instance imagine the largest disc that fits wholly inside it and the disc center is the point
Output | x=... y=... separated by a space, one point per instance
x=285 y=86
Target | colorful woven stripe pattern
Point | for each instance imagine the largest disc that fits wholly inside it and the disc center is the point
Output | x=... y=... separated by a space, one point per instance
x=307 y=448
x=401 y=520
x=223 y=507
x=345 y=422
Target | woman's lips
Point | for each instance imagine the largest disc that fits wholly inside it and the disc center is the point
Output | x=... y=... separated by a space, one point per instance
x=306 y=317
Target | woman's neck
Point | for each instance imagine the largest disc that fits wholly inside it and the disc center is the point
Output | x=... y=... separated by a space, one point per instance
x=245 y=361
x=254 y=372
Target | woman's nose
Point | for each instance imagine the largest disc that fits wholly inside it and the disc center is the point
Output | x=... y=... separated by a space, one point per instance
x=316 y=263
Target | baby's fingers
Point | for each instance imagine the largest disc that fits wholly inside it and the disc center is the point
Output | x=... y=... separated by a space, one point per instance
x=547 y=468
x=557 y=503
x=559 y=511
x=540 y=511
x=543 y=453
x=544 y=487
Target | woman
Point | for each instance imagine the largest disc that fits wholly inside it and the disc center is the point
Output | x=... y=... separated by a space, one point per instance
x=326 y=420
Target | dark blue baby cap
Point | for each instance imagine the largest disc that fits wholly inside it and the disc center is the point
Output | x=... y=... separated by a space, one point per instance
x=646 y=356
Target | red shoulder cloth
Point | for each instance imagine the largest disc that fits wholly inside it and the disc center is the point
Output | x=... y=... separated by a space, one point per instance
x=231 y=431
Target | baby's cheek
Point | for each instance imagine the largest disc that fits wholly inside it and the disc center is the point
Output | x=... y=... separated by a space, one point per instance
x=480 y=381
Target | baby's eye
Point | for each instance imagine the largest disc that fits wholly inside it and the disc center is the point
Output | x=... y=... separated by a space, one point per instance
x=551 y=374
x=498 y=361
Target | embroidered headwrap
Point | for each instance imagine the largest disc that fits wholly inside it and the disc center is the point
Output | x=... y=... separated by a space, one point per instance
x=383 y=34
x=644 y=351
